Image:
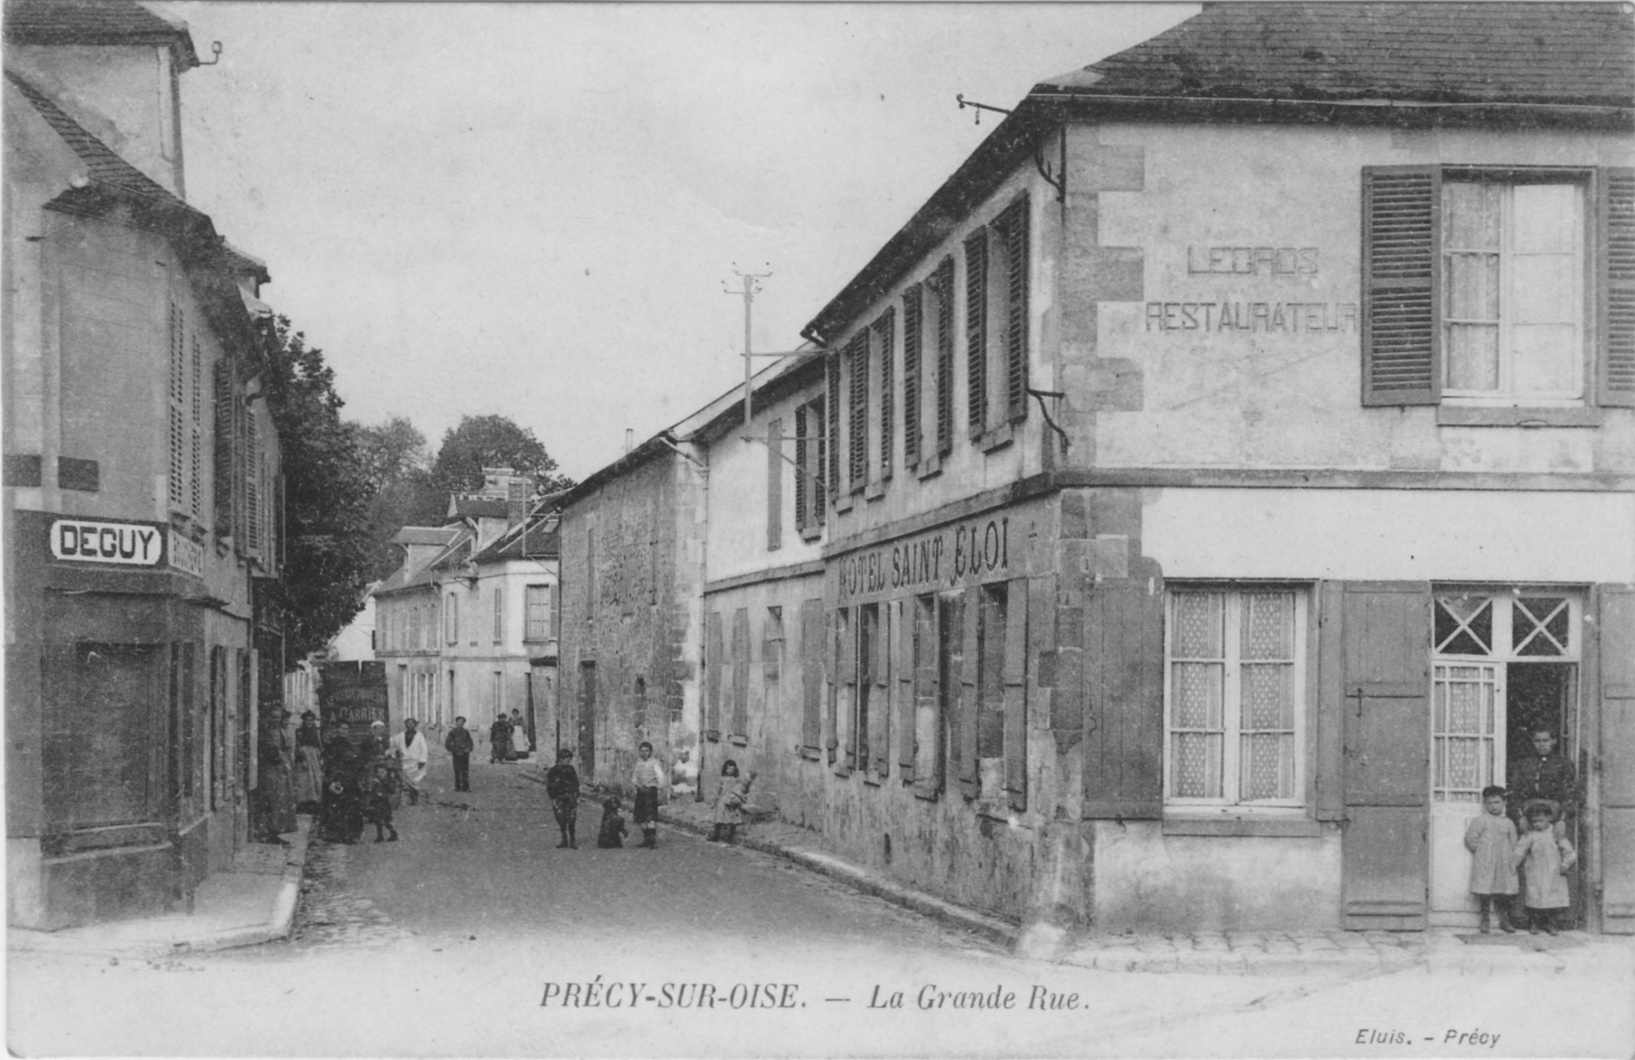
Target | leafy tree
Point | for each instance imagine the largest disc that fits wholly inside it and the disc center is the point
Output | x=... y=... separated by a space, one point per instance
x=397 y=463
x=327 y=495
x=491 y=441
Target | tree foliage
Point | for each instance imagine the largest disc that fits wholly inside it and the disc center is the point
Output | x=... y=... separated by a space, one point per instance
x=327 y=495
x=397 y=463
x=491 y=441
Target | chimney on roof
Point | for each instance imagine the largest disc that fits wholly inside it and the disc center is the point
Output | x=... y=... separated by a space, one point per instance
x=516 y=501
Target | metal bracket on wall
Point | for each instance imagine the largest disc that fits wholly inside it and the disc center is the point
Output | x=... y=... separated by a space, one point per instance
x=1044 y=411
x=1059 y=181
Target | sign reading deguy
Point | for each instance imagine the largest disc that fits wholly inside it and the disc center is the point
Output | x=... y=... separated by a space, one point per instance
x=86 y=541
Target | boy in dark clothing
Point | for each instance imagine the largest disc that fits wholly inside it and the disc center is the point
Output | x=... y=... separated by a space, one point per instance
x=613 y=829
x=562 y=788
x=459 y=744
x=499 y=740
x=378 y=800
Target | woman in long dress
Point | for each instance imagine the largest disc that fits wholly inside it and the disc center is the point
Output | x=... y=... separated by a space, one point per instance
x=309 y=773
x=519 y=736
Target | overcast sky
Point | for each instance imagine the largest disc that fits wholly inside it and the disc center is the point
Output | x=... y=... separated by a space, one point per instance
x=533 y=209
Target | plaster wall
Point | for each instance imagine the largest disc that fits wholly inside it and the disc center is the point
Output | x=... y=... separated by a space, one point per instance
x=1147 y=882
x=738 y=495
x=1395 y=535
x=1281 y=388
x=126 y=96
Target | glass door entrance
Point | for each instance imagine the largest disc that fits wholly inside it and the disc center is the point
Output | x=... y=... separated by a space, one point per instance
x=1503 y=666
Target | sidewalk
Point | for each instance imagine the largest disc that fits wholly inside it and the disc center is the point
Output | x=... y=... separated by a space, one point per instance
x=1311 y=953
x=253 y=902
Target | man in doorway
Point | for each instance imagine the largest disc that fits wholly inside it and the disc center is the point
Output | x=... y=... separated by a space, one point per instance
x=1546 y=777
x=460 y=745
x=410 y=749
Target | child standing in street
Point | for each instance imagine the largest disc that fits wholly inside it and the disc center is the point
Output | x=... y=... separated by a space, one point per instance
x=1544 y=859
x=613 y=830
x=378 y=800
x=729 y=802
x=648 y=776
x=562 y=788
x=1491 y=839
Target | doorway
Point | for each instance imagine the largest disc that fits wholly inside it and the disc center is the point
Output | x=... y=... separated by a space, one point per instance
x=1503 y=664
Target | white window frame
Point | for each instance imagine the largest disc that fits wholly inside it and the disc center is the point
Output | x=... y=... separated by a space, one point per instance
x=540 y=595
x=1231 y=693
x=1506 y=394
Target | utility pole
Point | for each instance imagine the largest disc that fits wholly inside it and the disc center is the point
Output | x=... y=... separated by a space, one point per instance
x=752 y=283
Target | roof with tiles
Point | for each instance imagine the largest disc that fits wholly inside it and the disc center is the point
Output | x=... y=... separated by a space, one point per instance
x=101 y=161
x=540 y=541
x=1561 y=53
x=94 y=22
x=471 y=506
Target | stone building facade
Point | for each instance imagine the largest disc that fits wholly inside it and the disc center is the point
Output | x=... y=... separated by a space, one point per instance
x=142 y=483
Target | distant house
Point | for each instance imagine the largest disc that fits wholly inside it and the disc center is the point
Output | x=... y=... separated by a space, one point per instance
x=462 y=622
x=142 y=482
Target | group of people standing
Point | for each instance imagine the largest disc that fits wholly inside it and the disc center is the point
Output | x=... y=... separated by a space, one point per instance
x=1520 y=877
x=648 y=776
x=508 y=738
x=362 y=785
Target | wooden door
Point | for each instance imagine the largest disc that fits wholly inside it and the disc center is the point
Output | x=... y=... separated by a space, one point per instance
x=1617 y=773
x=1386 y=631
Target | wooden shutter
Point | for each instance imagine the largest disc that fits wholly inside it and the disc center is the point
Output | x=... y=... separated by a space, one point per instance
x=880 y=658
x=944 y=286
x=965 y=760
x=178 y=408
x=1015 y=234
x=1383 y=868
x=857 y=440
x=1617 y=375
x=811 y=674
x=846 y=648
x=740 y=672
x=911 y=377
x=1016 y=692
x=886 y=330
x=1331 y=702
x=1616 y=651
x=832 y=413
x=712 y=675
x=222 y=448
x=1402 y=347
x=976 y=331
x=1124 y=697
x=904 y=629
x=774 y=485
x=803 y=467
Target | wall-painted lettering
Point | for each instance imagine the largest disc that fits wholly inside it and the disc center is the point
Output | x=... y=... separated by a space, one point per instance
x=82 y=541
x=945 y=557
x=1252 y=261
x=1290 y=318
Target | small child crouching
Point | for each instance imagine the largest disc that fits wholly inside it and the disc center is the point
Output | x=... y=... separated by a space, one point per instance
x=613 y=830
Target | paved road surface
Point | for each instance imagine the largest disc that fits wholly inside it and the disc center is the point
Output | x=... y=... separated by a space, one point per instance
x=448 y=941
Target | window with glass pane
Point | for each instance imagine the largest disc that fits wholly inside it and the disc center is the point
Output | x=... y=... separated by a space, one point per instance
x=538 y=601
x=1235 y=696
x=1512 y=290
x=1464 y=731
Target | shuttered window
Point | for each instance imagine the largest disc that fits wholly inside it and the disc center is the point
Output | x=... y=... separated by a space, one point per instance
x=857 y=438
x=178 y=409
x=195 y=437
x=803 y=468
x=1475 y=282
x=253 y=485
x=942 y=287
x=811 y=676
x=912 y=376
x=831 y=443
x=1012 y=227
x=774 y=485
x=976 y=331
x=713 y=665
x=222 y=486
x=1616 y=381
x=885 y=335
x=740 y=672
x=499 y=615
